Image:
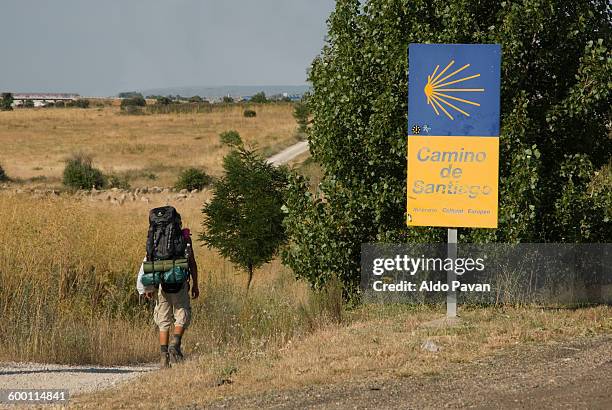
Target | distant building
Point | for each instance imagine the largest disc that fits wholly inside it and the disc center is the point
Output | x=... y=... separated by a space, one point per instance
x=41 y=99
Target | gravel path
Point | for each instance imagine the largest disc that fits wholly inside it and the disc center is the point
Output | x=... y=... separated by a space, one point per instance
x=77 y=379
x=288 y=154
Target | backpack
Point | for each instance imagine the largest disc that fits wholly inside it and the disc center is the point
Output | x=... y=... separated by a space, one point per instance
x=165 y=240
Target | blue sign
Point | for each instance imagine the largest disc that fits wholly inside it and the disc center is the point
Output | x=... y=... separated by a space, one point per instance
x=453 y=89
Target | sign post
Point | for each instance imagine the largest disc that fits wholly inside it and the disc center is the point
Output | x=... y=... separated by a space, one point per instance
x=453 y=140
x=451 y=276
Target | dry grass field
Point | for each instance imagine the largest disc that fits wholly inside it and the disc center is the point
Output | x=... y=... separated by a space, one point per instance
x=68 y=269
x=36 y=142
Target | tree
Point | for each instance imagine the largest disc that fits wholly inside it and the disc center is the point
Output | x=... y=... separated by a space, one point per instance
x=243 y=220
x=196 y=99
x=130 y=94
x=259 y=98
x=6 y=103
x=228 y=99
x=556 y=122
x=301 y=114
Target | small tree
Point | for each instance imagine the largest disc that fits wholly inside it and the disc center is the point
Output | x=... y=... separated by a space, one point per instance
x=244 y=220
x=196 y=99
x=228 y=99
x=301 y=114
x=231 y=138
x=259 y=98
x=28 y=104
x=6 y=103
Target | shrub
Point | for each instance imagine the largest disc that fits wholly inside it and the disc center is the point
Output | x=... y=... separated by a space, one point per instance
x=81 y=103
x=80 y=173
x=196 y=99
x=259 y=98
x=28 y=104
x=228 y=100
x=60 y=104
x=164 y=100
x=6 y=102
x=250 y=113
x=3 y=176
x=117 y=181
x=192 y=178
x=231 y=138
x=132 y=110
x=134 y=102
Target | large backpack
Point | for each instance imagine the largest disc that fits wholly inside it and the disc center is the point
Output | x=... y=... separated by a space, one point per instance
x=165 y=239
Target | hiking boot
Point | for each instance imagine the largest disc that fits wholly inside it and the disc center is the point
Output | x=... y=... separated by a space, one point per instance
x=164 y=362
x=175 y=354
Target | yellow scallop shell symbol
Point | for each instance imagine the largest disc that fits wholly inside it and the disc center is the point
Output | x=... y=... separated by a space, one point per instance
x=438 y=94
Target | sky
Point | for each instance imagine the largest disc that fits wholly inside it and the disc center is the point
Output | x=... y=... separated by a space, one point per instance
x=100 y=48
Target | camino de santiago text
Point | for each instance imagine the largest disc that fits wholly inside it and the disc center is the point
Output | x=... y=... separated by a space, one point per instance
x=425 y=154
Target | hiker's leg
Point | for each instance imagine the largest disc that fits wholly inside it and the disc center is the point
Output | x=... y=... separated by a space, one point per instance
x=182 y=318
x=164 y=336
x=163 y=318
x=177 y=336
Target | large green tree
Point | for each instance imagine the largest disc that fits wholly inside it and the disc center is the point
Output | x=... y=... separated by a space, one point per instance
x=244 y=220
x=555 y=134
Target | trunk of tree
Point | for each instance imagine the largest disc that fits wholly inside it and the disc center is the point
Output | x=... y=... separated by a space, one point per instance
x=250 y=271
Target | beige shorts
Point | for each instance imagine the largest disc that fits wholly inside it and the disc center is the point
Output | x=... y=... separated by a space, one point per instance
x=172 y=307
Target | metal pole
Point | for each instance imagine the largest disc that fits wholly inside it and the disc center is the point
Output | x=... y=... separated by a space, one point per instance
x=451 y=297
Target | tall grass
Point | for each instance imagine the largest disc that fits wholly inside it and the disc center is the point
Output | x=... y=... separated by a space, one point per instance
x=67 y=289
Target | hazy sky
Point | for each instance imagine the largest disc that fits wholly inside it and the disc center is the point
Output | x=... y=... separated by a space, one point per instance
x=95 y=47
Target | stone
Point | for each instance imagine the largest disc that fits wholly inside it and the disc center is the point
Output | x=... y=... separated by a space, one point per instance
x=430 y=346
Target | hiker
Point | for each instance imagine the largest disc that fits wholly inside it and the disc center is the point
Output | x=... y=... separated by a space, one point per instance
x=165 y=276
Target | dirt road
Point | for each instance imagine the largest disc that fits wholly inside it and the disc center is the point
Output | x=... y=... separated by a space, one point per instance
x=77 y=379
x=288 y=154
x=557 y=376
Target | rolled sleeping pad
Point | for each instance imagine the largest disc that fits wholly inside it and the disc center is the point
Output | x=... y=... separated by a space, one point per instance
x=164 y=266
x=174 y=275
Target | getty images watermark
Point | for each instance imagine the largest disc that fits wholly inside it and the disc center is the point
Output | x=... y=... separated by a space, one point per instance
x=386 y=267
x=492 y=273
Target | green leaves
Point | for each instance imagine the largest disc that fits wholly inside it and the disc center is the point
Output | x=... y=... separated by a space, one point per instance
x=556 y=99
x=243 y=221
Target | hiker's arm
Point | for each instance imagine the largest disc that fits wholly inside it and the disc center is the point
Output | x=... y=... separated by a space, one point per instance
x=193 y=270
